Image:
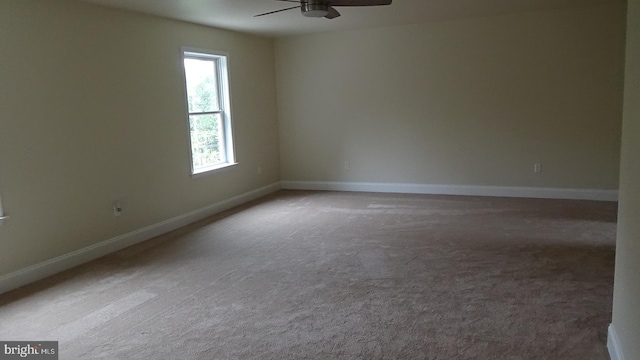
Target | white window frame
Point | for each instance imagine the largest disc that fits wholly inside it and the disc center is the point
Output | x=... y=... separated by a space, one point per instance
x=224 y=97
x=2 y=217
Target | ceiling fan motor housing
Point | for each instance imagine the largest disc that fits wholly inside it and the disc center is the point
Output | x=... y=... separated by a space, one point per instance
x=314 y=9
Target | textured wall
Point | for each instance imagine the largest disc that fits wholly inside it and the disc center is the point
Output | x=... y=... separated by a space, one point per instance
x=469 y=102
x=93 y=111
x=626 y=297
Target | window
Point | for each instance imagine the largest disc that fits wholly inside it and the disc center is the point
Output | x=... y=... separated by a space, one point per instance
x=2 y=217
x=209 y=111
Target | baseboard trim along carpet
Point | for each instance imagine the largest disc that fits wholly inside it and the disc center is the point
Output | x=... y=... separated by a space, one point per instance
x=469 y=190
x=615 y=351
x=47 y=268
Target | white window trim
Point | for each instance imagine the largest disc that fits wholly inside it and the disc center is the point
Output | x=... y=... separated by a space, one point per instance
x=225 y=101
x=2 y=216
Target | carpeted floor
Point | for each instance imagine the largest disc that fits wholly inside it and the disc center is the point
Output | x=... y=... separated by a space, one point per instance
x=322 y=275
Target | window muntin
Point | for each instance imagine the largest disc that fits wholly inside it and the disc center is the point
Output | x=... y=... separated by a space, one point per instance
x=208 y=107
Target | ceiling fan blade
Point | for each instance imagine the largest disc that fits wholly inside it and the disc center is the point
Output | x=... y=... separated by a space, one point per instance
x=359 y=2
x=277 y=11
x=333 y=13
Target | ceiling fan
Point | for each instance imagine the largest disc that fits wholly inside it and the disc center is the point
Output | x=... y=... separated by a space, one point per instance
x=325 y=8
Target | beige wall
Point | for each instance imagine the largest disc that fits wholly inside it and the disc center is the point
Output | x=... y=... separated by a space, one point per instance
x=626 y=297
x=469 y=102
x=92 y=110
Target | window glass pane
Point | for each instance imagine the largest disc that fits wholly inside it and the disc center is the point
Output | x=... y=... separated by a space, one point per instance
x=207 y=140
x=202 y=85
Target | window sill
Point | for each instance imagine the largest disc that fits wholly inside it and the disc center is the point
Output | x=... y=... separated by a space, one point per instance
x=213 y=169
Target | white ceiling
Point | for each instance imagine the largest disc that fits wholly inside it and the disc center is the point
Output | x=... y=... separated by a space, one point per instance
x=238 y=14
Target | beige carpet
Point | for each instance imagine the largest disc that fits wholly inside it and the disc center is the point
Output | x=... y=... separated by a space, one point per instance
x=321 y=275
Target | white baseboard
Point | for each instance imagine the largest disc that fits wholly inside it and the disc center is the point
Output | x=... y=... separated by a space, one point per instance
x=470 y=190
x=615 y=351
x=47 y=268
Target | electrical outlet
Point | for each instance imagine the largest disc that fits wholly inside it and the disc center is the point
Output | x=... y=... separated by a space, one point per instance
x=117 y=209
x=259 y=170
x=537 y=168
x=347 y=165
